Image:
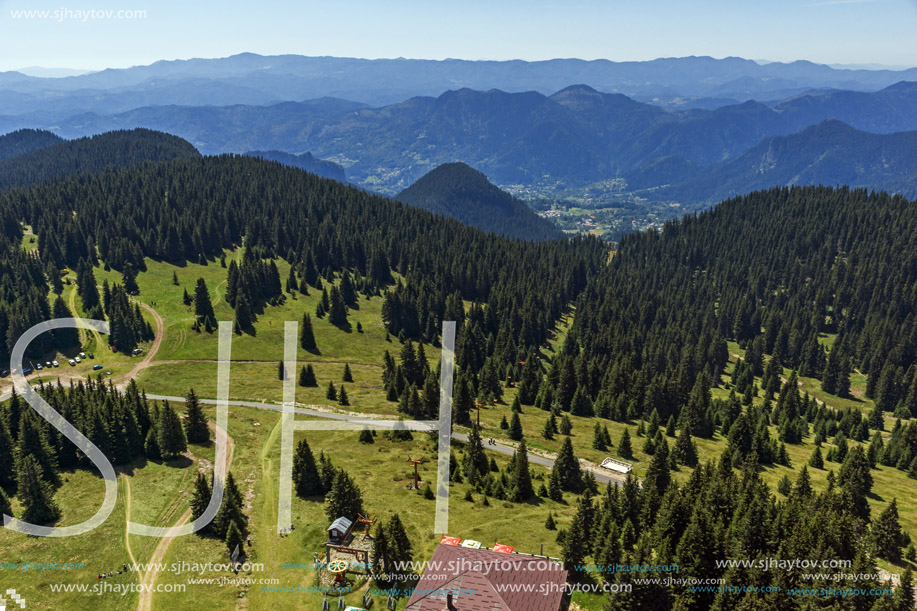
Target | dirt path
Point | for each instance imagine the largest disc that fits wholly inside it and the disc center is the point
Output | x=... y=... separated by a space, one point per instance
x=127 y=516
x=95 y=334
x=148 y=579
x=158 y=335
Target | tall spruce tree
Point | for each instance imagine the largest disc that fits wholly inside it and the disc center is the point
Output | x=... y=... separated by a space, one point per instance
x=306 y=334
x=306 y=478
x=196 y=430
x=172 y=441
x=521 y=484
x=36 y=493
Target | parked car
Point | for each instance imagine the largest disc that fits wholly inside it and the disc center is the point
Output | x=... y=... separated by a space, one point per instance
x=26 y=371
x=138 y=351
x=47 y=364
x=55 y=363
x=38 y=367
x=92 y=356
x=77 y=359
x=82 y=355
x=72 y=362
x=4 y=373
x=96 y=367
x=113 y=349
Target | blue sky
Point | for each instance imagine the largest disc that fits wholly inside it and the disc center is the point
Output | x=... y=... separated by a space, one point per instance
x=826 y=31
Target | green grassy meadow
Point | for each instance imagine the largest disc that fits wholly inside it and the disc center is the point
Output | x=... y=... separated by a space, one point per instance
x=187 y=359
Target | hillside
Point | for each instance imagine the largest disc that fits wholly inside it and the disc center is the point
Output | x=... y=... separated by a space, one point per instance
x=305 y=161
x=830 y=153
x=715 y=356
x=25 y=141
x=459 y=191
x=568 y=140
x=92 y=155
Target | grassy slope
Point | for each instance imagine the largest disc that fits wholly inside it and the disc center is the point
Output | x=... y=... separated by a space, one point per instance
x=381 y=469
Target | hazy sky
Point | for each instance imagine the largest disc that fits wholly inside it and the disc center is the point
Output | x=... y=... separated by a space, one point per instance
x=826 y=31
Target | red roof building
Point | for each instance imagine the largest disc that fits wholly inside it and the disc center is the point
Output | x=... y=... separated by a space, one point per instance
x=464 y=579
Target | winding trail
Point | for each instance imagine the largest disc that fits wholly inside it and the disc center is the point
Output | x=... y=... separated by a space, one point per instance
x=127 y=516
x=148 y=579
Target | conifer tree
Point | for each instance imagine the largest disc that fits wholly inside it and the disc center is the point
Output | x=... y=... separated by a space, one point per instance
x=624 y=449
x=331 y=394
x=568 y=468
x=548 y=430
x=366 y=437
x=342 y=396
x=196 y=430
x=337 y=310
x=306 y=478
x=4 y=504
x=348 y=376
x=515 y=428
x=35 y=493
x=521 y=484
x=474 y=462
x=886 y=533
x=172 y=441
x=234 y=537
x=856 y=482
x=550 y=524
x=307 y=376
x=575 y=546
x=230 y=510
x=151 y=445
x=243 y=312
x=463 y=402
x=200 y=498
x=685 y=451
x=7 y=460
x=306 y=334
x=344 y=499
x=203 y=308
x=598 y=438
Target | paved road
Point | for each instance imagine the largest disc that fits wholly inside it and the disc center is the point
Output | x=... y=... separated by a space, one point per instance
x=497 y=447
x=541 y=460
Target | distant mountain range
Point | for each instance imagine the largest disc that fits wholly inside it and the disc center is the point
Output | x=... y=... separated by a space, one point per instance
x=261 y=80
x=461 y=192
x=306 y=161
x=572 y=138
x=573 y=143
x=830 y=153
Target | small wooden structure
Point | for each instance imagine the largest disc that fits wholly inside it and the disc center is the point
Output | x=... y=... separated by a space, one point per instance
x=415 y=462
x=340 y=531
x=362 y=555
x=369 y=522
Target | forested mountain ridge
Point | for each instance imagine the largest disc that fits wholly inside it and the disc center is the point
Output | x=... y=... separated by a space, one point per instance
x=305 y=161
x=93 y=154
x=777 y=272
x=772 y=271
x=25 y=141
x=830 y=153
x=459 y=191
x=191 y=209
